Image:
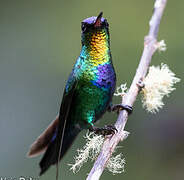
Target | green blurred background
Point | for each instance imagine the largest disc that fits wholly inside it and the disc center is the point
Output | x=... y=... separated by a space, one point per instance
x=39 y=42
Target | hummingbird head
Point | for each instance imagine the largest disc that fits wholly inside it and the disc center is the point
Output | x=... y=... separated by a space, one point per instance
x=95 y=29
x=94 y=23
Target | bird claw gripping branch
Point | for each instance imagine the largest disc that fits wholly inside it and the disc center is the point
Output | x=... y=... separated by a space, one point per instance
x=105 y=131
x=120 y=107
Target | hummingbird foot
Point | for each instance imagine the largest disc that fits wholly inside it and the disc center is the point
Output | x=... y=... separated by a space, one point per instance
x=105 y=131
x=120 y=107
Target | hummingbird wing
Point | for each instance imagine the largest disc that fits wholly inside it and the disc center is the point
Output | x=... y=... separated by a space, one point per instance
x=65 y=134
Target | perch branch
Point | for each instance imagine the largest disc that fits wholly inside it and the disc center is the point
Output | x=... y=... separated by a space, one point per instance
x=150 y=47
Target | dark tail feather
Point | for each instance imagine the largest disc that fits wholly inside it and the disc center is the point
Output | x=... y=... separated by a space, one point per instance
x=41 y=143
x=52 y=153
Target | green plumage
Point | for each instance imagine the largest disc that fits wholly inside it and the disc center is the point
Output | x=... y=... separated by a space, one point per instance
x=88 y=93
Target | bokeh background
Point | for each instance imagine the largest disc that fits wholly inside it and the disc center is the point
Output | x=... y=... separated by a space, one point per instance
x=39 y=42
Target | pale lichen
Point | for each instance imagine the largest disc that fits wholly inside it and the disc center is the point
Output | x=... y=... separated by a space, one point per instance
x=91 y=150
x=125 y=135
x=158 y=83
x=121 y=90
x=157 y=4
x=161 y=46
x=116 y=164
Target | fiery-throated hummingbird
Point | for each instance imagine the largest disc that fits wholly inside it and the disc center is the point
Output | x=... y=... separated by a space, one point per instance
x=87 y=95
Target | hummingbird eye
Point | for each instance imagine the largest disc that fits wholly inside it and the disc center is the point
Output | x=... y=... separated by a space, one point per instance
x=83 y=27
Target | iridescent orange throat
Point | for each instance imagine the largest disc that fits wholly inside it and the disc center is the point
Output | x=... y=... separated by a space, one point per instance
x=97 y=46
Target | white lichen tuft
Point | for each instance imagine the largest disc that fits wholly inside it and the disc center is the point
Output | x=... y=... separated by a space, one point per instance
x=158 y=83
x=121 y=90
x=91 y=150
x=161 y=46
x=125 y=135
x=116 y=164
x=157 y=4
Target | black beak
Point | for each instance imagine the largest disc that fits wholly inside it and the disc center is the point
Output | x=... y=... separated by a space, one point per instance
x=98 y=20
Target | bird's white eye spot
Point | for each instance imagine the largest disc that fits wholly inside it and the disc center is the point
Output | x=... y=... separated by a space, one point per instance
x=83 y=27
